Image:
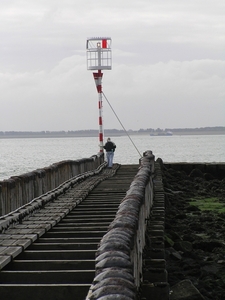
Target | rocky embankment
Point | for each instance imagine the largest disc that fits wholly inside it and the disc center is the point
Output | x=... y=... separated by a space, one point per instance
x=195 y=231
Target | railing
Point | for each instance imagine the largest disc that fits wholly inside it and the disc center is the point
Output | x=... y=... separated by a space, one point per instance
x=119 y=256
x=20 y=190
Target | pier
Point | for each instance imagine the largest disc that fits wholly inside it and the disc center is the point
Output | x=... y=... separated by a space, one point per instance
x=77 y=230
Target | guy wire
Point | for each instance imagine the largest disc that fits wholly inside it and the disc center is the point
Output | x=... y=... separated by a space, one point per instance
x=121 y=124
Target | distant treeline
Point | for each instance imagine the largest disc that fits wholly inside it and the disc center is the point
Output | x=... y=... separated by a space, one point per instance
x=112 y=132
x=47 y=133
x=219 y=129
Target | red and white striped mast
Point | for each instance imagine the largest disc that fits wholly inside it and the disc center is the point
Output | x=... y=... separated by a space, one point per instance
x=99 y=58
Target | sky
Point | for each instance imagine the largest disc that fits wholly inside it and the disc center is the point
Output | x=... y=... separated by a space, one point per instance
x=168 y=64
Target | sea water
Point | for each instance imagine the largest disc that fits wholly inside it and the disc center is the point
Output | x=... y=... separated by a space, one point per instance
x=22 y=155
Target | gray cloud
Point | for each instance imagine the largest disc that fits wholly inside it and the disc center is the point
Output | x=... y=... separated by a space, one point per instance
x=168 y=64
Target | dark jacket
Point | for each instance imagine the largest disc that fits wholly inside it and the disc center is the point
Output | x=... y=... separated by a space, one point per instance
x=110 y=146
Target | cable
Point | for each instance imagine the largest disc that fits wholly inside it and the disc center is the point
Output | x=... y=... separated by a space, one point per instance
x=121 y=124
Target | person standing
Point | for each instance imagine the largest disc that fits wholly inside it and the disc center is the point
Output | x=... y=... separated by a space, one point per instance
x=110 y=149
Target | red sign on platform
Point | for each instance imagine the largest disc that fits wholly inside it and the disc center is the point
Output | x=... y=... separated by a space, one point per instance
x=104 y=43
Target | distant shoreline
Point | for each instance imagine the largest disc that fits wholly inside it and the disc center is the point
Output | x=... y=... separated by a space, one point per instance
x=111 y=133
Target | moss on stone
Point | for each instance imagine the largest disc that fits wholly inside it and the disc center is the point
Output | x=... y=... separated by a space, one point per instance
x=210 y=204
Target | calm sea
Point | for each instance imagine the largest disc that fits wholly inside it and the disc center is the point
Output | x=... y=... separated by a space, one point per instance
x=18 y=156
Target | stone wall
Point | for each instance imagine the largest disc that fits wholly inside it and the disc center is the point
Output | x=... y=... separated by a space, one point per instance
x=118 y=262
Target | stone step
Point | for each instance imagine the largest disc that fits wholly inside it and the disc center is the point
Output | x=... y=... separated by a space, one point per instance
x=84 y=212
x=84 y=219
x=47 y=277
x=69 y=240
x=38 y=265
x=64 y=246
x=82 y=228
x=58 y=255
x=75 y=234
x=43 y=291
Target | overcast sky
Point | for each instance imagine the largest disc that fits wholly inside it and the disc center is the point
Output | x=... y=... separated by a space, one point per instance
x=168 y=67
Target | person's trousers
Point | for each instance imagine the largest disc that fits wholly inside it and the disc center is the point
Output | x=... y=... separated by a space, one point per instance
x=109 y=156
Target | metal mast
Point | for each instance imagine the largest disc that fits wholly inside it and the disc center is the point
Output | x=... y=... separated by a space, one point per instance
x=99 y=58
